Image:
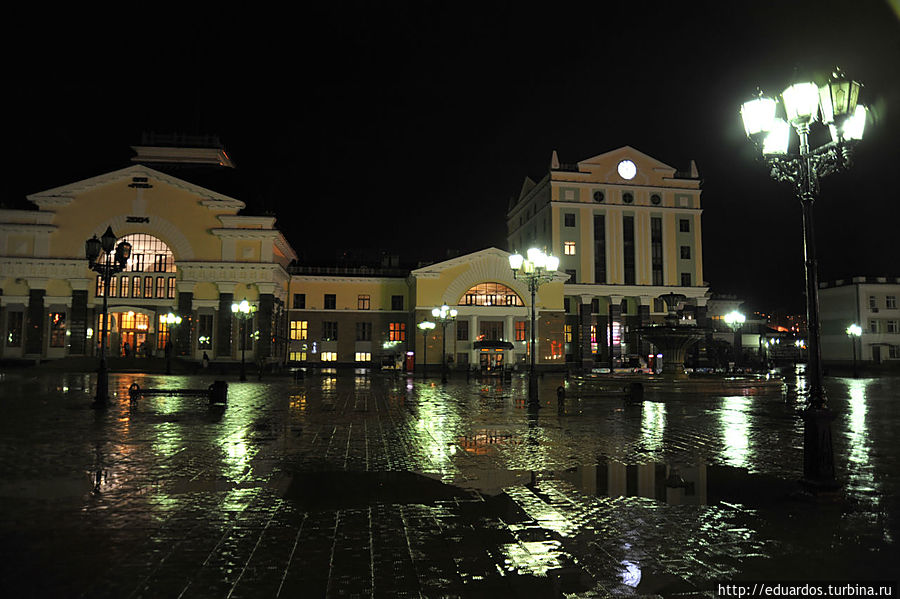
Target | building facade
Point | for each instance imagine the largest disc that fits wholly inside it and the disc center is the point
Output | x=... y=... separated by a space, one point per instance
x=871 y=303
x=627 y=230
x=192 y=255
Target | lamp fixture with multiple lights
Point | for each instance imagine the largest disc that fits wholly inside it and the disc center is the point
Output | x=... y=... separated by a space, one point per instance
x=535 y=268
x=106 y=267
x=243 y=311
x=444 y=315
x=768 y=123
x=425 y=326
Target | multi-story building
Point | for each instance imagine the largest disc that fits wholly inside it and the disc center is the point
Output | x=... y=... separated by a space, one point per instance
x=871 y=303
x=627 y=230
x=192 y=255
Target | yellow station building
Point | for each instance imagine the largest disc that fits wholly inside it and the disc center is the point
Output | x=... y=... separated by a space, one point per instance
x=624 y=237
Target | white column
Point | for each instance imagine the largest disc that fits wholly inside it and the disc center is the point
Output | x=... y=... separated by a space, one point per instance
x=473 y=335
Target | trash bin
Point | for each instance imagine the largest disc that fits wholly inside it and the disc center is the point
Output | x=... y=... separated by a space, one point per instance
x=218 y=392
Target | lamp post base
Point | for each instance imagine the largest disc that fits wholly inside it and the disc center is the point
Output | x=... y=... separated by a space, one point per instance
x=101 y=399
x=818 y=452
x=533 y=389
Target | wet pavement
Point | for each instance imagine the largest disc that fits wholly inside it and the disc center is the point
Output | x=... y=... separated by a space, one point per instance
x=356 y=485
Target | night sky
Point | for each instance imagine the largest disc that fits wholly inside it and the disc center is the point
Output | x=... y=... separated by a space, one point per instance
x=408 y=126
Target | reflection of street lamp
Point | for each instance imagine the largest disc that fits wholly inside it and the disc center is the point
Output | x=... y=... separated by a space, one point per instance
x=802 y=104
x=538 y=268
x=172 y=321
x=735 y=319
x=854 y=331
x=444 y=315
x=243 y=311
x=106 y=269
x=800 y=344
x=425 y=326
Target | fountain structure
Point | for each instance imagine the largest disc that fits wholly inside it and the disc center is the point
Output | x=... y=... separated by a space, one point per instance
x=672 y=338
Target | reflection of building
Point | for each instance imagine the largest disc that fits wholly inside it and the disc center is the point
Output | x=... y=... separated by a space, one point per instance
x=627 y=230
x=870 y=302
x=193 y=255
x=676 y=486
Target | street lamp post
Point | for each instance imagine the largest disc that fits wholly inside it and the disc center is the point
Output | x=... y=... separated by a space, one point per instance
x=854 y=331
x=444 y=315
x=536 y=269
x=243 y=311
x=106 y=268
x=802 y=104
x=425 y=326
x=172 y=321
x=735 y=320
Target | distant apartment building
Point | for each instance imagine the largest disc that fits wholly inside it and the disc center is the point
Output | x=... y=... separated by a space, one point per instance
x=627 y=230
x=871 y=303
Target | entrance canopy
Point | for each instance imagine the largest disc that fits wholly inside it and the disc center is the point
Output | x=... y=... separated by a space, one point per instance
x=492 y=344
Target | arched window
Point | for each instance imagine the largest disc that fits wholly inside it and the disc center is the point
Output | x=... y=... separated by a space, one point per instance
x=490 y=294
x=149 y=254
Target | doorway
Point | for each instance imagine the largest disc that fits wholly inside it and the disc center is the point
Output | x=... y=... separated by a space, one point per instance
x=491 y=361
x=134 y=329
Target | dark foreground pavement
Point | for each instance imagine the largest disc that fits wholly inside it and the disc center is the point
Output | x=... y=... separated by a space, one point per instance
x=391 y=487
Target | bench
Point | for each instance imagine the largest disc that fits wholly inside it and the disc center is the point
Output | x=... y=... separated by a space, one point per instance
x=217 y=393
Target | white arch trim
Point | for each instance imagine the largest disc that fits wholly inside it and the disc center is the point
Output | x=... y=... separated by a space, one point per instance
x=158 y=227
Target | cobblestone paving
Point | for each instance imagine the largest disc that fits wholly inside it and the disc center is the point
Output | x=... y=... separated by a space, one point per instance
x=349 y=485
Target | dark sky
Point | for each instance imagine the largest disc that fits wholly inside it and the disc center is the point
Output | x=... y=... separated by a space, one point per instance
x=409 y=125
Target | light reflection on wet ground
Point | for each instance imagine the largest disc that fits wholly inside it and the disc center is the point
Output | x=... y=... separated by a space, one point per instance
x=352 y=484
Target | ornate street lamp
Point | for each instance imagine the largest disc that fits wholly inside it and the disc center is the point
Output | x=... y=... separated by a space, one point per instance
x=106 y=267
x=536 y=269
x=444 y=315
x=836 y=103
x=854 y=331
x=172 y=321
x=243 y=311
x=736 y=320
x=425 y=326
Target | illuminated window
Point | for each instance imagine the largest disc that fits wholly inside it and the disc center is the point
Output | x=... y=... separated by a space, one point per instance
x=568 y=333
x=616 y=334
x=170 y=293
x=397 y=331
x=298 y=356
x=491 y=294
x=569 y=248
x=363 y=356
x=136 y=287
x=329 y=331
x=148 y=286
x=594 y=346
x=148 y=254
x=362 y=302
x=160 y=287
x=124 y=286
x=520 y=330
x=299 y=329
x=329 y=356
x=57 y=329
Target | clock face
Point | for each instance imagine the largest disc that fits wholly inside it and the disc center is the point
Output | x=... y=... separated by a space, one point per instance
x=626 y=169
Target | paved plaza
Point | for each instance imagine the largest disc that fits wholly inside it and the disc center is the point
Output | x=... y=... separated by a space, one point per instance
x=354 y=485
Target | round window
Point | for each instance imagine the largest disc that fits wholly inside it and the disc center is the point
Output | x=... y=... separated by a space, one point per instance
x=655 y=199
x=627 y=198
x=598 y=196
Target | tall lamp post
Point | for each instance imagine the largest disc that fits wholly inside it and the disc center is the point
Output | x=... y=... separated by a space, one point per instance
x=444 y=315
x=854 y=331
x=106 y=267
x=425 y=326
x=172 y=321
x=736 y=320
x=536 y=269
x=802 y=104
x=243 y=311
